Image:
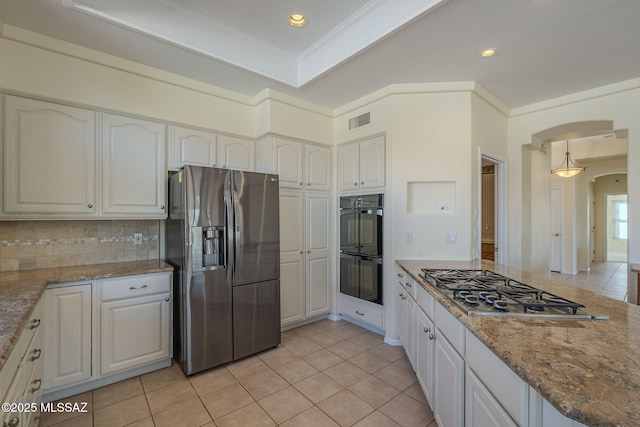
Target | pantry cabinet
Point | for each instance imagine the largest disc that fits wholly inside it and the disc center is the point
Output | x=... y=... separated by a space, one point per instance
x=300 y=165
x=304 y=255
x=133 y=167
x=361 y=165
x=68 y=338
x=49 y=159
x=237 y=153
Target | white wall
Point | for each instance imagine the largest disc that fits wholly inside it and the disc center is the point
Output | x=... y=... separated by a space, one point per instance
x=529 y=193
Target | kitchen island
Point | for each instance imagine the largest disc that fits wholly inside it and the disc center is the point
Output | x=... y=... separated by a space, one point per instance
x=589 y=370
x=21 y=290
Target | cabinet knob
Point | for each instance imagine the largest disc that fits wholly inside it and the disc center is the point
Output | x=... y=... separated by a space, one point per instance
x=37 y=381
x=162 y=207
x=361 y=182
x=309 y=251
x=400 y=275
x=301 y=252
x=167 y=299
x=13 y=422
x=432 y=337
x=300 y=183
x=427 y=330
x=355 y=183
x=90 y=205
x=34 y=323
x=409 y=285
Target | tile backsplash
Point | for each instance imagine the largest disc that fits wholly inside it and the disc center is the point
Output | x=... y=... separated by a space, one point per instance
x=28 y=245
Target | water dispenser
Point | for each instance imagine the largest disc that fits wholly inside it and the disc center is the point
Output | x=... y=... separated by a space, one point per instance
x=213 y=247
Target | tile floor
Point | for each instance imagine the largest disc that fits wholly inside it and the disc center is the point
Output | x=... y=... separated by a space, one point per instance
x=324 y=374
x=605 y=278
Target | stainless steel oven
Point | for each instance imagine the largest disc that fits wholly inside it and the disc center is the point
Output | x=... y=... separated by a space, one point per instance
x=361 y=246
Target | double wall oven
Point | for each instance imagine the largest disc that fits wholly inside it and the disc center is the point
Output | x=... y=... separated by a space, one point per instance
x=361 y=247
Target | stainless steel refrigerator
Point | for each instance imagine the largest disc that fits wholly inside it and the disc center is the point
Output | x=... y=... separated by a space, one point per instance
x=223 y=239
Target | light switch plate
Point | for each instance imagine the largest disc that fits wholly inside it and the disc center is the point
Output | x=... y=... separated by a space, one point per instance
x=451 y=237
x=408 y=237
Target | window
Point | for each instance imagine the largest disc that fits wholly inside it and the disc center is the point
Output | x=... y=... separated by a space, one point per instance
x=620 y=219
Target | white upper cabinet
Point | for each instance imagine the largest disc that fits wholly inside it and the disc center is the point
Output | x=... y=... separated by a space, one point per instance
x=192 y=147
x=349 y=167
x=49 y=159
x=300 y=165
x=361 y=165
x=133 y=167
x=237 y=153
x=318 y=170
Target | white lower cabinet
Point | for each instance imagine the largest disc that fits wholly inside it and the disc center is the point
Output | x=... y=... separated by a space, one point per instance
x=135 y=316
x=105 y=331
x=68 y=313
x=21 y=375
x=464 y=382
x=448 y=379
x=482 y=408
x=425 y=345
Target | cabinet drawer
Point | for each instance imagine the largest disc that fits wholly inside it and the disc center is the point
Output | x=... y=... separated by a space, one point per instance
x=425 y=301
x=452 y=329
x=509 y=390
x=362 y=313
x=134 y=286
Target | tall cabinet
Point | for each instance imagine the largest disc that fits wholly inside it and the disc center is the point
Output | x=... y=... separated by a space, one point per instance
x=304 y=170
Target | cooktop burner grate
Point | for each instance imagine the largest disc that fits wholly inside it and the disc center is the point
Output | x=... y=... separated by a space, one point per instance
x=487 y=292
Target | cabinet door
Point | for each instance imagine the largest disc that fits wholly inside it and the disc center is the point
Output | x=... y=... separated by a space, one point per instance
x=49 y=158
x=318 y=170
x=401 y=314
x=348 y=167
x=424 y=354
x=289 y=157
x=237 y=153
x=372 y=163
x=134 y=332
x=67 y=335
x=482 y=409
x=410 y=347
x=448 y=392
x=318 y=208
x=133 y=167
x=292 y=289
x=192 y=147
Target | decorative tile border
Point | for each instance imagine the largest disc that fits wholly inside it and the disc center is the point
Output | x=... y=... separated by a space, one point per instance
x=39 y=242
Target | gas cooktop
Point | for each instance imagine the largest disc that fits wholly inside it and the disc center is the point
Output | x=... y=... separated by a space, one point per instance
x=485 y=293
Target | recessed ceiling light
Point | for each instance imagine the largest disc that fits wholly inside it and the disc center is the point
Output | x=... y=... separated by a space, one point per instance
x=488 y=52
x=297 y=20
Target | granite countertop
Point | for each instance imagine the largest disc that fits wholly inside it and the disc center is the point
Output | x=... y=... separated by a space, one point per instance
x=587 y=369
x=21 y=290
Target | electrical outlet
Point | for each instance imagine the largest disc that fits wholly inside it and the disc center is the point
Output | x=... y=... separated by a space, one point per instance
x=451 y=238
x=408 y=237
x=137 y=238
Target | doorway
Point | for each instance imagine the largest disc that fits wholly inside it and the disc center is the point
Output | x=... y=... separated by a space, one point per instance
x=616 y=242
x=557 y=232
x=492 y=218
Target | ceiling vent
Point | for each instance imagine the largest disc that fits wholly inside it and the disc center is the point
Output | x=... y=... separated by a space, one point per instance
x=361 y=120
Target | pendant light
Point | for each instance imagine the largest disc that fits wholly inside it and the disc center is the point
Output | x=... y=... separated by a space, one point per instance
x=567 y=169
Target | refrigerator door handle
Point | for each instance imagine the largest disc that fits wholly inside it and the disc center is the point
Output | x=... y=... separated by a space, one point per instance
x=230 y=226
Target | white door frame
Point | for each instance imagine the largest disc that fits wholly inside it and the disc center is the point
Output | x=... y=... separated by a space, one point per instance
x=562 y=235
x=500 y=227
